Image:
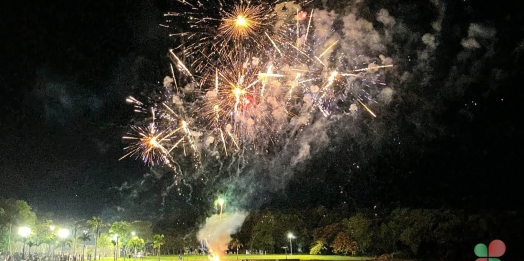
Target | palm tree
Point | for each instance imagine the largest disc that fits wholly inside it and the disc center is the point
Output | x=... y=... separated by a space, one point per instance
x=49 y=241
x=76 y=226
x=63 y=243
x=235 y=243
x=85 y=237
x=30 y=244
x=158 y=241
x=136 y=243
x=95 y=224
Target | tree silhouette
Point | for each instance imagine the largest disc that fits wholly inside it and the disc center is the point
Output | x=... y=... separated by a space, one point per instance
x=235 y=243
x=84 y=237
x=158 y=241
x=95 y=224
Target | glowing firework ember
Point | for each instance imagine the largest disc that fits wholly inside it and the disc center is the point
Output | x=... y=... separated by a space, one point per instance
x=254 y=99
x=243 y=23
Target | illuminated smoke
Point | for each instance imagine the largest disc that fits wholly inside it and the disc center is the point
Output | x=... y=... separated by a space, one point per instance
x=217 y=230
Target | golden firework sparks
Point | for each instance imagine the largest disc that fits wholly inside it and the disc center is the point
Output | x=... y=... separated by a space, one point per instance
x=233 y=96
x=242 y=23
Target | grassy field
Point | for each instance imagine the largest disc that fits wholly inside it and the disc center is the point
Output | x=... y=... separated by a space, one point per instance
x=246 y=257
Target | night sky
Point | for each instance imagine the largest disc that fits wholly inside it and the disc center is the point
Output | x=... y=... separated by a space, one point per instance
x=451 y=135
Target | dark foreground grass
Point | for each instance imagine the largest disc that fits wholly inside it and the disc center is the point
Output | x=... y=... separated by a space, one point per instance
x=247 y=257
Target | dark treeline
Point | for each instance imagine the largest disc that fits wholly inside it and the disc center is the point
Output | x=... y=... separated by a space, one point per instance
x=399 y=233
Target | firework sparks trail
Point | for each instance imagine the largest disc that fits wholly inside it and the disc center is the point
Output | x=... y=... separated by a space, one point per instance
x=214 y=28
x=252 y=82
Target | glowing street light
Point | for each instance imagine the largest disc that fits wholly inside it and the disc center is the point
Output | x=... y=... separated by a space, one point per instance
x=63 y=234
x=290 y=236
x=24 y=233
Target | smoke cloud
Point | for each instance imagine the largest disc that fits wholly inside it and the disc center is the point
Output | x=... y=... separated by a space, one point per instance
x=347 y=135
x=217 y=230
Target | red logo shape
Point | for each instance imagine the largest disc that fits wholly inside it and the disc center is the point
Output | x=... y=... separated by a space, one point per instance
x=496 y=248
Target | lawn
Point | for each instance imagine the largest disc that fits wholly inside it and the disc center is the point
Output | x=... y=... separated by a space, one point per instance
x=246 y=257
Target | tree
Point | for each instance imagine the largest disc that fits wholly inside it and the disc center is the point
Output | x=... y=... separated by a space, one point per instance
x=343 y=245
x=173 y=244
x=158 y=241
x=263 y=233
x=14 y=213
x=105 y=243
x=419 y=228
x=235 y=243
x=64 y=243
x=269 y=229
x=95 y=224
x=317 y=247
x=30 y=243
x=327 y=233
x=123 y=230
x=76 y=226
x=287 y=221
x=43 y=233
x=136 y=243
x=359 y=229
x=84 y=237
x=245 y=233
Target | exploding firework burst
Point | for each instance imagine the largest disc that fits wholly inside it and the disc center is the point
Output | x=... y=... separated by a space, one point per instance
x=148 y=145
x=165 y=136
x=239 y=108
x=251 y=98
x=217 y=28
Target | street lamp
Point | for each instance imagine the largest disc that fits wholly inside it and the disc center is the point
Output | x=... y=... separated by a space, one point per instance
x=24 y=232
x=285 y=248
x=134 y=238
x=63 y=234
x=290 y=236
x=115 y=239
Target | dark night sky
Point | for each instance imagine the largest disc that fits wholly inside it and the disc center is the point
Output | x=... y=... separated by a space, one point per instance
x=67 y=67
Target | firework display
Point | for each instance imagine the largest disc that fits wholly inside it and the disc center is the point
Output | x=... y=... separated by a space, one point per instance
x=249 y=77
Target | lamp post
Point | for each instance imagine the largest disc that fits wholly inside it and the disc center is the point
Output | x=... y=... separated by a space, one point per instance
x=24 y=232
x=133 y=234
x=115 y=239
x=63 y=234
x=290 y=236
